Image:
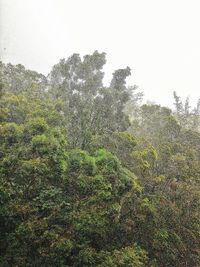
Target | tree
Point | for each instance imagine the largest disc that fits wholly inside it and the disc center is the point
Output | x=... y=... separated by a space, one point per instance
x=17 y=79
x=90 y=177
x=187 y=118
x=90 y=108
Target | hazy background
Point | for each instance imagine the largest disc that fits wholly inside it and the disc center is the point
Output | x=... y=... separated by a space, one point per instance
x=158 y=39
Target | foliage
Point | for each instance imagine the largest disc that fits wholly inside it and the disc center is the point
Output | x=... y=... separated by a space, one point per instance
x=91 y=177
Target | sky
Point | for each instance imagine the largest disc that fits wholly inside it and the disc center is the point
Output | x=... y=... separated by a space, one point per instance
x=158 y=39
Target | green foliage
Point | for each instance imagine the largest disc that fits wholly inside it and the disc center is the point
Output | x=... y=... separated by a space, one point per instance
x=90 y=108
x=88 y=177
x=129 y=256
x=16 y=79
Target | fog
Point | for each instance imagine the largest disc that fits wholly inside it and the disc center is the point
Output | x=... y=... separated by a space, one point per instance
x=159 y=40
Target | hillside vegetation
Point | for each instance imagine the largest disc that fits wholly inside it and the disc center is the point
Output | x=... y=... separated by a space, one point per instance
x=90 y=176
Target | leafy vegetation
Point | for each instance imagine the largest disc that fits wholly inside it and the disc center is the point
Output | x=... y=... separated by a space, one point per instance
x=89 y=176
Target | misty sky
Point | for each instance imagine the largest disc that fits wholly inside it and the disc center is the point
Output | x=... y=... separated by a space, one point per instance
x=158 y=39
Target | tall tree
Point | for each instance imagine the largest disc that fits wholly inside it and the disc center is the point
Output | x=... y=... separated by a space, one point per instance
x=90 y=108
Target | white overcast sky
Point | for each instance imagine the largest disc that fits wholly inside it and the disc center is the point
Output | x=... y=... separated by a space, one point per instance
x=158 y=39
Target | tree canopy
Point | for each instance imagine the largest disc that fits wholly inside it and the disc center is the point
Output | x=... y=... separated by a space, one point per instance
x=90 y=176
